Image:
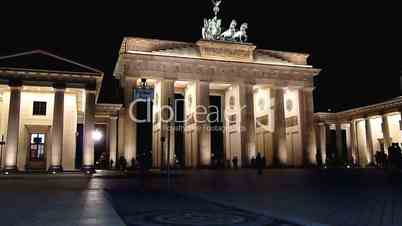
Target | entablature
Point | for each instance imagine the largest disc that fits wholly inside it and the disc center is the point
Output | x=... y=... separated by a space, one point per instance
x=177 y=68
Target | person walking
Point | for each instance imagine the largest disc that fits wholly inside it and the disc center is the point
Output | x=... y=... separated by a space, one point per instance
x=123 y=164
x=259 y=164
x=235 y=163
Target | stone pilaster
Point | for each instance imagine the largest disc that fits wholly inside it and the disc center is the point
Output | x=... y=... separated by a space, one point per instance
x=10 y=162
x=248 y=134
x=386 y=132
x=369 y=140
x=306 y=104
x=57 y=130
x=280 y=145
x=113 y=141
x=89 y=127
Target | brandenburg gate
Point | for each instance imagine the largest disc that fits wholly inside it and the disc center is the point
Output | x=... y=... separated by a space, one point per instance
x=266 y=98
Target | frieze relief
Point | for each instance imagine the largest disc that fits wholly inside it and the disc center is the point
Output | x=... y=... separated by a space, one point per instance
x=262 y=121
x=190 y=119
x=292 y=122
x=233 y=120
x=226 y=51
x=164 y=67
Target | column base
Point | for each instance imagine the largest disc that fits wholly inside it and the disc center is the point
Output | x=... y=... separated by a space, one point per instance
x=88 y=169
x=10 y=170
x=55 y=169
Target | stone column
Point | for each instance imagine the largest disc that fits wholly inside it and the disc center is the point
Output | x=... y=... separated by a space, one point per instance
x=167 y=95
x=10 y=162
x=163 y=92
x=57 y=130
x=306 y=104
x=89 y=127
x=369 y=140
x=339 y=141
x=113 y=141
x=130 y=127
x=120 y=137
x=386 y=132
x=204 y=134
x=353 y=144
x=248 y=134
x=280 y=145
x=323 y=142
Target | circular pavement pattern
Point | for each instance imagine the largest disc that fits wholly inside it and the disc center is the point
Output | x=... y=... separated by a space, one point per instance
x=202 y=217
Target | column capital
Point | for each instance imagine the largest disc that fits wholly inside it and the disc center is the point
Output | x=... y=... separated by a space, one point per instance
x=247 y=83
x=89 y=91
x=307 y=89
x=15 y=84
x=15 y=88
x=59 y=86
x=283 y=88
x=383 y=115
x=175 y=79
x=114 y=117
x=322 y=124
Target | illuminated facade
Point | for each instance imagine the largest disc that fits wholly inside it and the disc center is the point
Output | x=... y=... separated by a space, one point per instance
x=357 y=134
x=263 y=98
x=274 y=91
x=265 y=105
x=42 y=107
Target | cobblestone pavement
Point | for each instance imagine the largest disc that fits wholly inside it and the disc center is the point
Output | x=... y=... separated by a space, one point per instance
x=157 y=208
x=338 y=198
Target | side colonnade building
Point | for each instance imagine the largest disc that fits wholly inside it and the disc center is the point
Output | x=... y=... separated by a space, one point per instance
x=48 y=113
x=356 y=135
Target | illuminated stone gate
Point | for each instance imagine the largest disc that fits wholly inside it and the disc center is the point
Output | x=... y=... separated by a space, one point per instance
x=267 y=100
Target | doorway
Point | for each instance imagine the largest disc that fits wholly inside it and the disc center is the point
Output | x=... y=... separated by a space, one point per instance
x=37 y=151
x=79 y=143
x=179 y=131
x=217 y=148
x=144 y=129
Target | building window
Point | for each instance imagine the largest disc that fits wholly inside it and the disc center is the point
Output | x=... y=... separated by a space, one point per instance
x=39 y=108
x=37 y=147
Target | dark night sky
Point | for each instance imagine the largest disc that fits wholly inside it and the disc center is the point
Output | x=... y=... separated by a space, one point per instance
x=357 y=46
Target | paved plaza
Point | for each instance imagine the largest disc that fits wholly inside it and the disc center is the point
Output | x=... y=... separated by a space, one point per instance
x=278 y=197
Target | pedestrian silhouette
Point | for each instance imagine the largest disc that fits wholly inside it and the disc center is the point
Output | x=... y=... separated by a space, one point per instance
x=235 y=162
x=122 y=163
x=259 y=163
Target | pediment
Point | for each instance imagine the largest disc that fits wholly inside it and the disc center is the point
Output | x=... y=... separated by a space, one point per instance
x=44 y=61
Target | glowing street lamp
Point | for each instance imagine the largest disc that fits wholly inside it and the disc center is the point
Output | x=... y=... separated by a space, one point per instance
x=97 y=135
